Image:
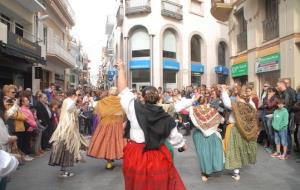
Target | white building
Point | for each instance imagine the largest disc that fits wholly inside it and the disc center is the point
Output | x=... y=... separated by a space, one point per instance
x=170 y=43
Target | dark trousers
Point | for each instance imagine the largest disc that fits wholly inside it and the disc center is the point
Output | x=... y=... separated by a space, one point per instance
x=2 y=183
x=46 y=135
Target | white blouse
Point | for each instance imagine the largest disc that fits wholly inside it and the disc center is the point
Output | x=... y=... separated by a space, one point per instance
x=227 y=104
x=187 y=104
x=136 y=132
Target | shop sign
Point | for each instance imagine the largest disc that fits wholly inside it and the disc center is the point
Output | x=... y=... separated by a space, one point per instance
x=268 y=63
x=238 y=70
x=23 y=45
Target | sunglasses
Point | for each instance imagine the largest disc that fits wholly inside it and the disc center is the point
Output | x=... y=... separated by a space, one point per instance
x=78 y=94
x=13 y=92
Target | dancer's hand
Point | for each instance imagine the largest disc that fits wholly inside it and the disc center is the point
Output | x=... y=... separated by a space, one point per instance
x=184 y=148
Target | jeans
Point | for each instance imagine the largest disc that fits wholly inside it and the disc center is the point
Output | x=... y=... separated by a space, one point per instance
x=269 y=130
x=281 y=137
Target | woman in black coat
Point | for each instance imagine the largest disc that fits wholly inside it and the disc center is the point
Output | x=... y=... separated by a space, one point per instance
x=44 y=117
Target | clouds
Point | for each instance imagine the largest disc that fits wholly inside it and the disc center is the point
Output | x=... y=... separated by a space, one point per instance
x=90 y=27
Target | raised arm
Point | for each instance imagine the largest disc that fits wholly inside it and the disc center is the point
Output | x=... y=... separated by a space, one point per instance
x=225 y=98
x=122 y=81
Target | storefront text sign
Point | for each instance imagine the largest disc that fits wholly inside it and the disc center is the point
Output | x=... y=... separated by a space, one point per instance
x=268 y=63
x=238 y=70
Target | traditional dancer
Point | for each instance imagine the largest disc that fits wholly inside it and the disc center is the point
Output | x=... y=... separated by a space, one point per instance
x=66 y=139
x=207 y=139
x=147 y=161
x=108 y=142
x=240 y=139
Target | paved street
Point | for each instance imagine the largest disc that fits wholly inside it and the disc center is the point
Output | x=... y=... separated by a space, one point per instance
x=266 y=174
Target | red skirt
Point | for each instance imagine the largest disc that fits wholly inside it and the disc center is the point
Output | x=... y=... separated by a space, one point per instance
x=151 y=170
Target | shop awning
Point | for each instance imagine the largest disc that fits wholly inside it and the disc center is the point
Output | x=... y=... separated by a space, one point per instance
x=170 y=64
x=197 y=68
x=139 y=64
x=222 y=70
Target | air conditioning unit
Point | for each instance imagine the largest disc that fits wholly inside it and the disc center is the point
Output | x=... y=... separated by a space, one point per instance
x=3 y=32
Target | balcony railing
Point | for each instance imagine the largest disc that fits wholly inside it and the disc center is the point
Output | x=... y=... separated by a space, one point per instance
x=242 y=41
x=120 y=16
x=221 y=9
x=58 y=49
x=171 y=9
x=271 y=28
x=137 y=7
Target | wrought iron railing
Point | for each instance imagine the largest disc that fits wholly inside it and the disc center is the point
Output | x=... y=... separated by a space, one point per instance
x=171 y=9
x=138 y=6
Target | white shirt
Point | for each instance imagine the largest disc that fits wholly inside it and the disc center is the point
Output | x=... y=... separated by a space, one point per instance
x=8 y=164
x=227 y=104
x=136 y=132
x=4 y=136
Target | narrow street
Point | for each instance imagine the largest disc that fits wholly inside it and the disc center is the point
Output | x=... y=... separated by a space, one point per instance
x=267 y=174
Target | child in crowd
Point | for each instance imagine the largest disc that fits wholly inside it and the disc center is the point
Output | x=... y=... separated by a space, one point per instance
x=280 y=125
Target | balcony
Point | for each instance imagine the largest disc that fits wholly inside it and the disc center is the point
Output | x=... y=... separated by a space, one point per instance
x=242 y=41
x=171 y=9
x=109 y=26
x=58 y=51
x=120 y=16
x=32 y=5
x=221 y=9
x=271 y=28
x=137 y=7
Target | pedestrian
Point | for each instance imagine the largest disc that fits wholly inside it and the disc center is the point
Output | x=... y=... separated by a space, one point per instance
x=280 y=125
x=240 y=145
x=296 y=110
x=267 y=109
x=206 y=136
x=147 y=163
x=66 y=139
x=289 y=96
x=44 y=115
x=108 y=142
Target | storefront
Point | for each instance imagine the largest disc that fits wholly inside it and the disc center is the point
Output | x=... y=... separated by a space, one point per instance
x=197 y=71
x=17 y=57
x=239 y=73
x=222 y=74
x=268 y=69
x=170 y=70
x=140 y=73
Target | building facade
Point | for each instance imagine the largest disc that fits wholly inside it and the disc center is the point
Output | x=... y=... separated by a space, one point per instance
x=36 y=46
x=264 y=39
x=20 y=50
x=169 y=43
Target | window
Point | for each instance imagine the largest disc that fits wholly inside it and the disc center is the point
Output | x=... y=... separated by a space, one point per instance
x=197 y=7
x=196 y=79
x=241 y=20
x=271 y=8
x=5 y=20
x=140 y=45
x=222 y=54
x=170 y=45
x=242 y=36
x=19 y=29
x=45 y=34
x=142 y=75
x=196 y=49
x=169 y=76
x=72 y=78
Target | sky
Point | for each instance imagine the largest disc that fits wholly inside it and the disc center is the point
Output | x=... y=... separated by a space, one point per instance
x=90 y=17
